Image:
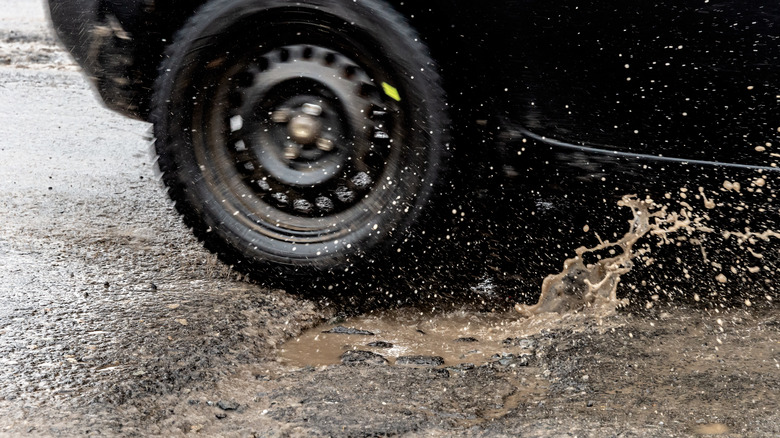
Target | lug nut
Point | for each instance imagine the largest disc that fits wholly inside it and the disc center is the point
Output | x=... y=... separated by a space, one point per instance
x=280 y=116
x=291 y=152
x=324 y=144
x=312 y=109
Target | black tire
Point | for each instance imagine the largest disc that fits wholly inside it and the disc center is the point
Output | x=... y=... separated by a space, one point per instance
x=299 y=137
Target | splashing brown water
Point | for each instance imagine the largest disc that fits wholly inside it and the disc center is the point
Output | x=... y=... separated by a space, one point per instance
x=594 y=286
x=582 y=285
x=582 y=292
x=578 y=286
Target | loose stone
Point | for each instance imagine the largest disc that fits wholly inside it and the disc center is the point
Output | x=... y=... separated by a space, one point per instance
x=341 y=330
x=227 y=405
x=360 y=357
x=380 y=344
x=425 y=361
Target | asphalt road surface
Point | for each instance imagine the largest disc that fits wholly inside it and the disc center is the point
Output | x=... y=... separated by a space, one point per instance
x=114 y=321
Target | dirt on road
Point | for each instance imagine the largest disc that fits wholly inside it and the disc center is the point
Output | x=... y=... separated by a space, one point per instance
x=115 y=321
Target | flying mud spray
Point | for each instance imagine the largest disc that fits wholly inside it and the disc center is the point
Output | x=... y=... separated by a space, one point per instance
x=584 y=285
x=585 y=290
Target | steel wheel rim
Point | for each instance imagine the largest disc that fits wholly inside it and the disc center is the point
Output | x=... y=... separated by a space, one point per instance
x=363 y=189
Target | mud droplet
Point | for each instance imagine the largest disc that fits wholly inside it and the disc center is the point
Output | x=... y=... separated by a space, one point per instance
x=735 y=186
x=708 y=203
x=711 y=429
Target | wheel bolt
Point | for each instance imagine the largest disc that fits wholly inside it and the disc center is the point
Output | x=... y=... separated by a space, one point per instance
x=280 y=116
x=312 y=109
x=324 y=144
x=292 y=152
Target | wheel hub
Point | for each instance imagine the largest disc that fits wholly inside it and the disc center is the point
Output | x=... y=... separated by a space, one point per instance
x=304 y=141
x=314 y=128
x=304 y=129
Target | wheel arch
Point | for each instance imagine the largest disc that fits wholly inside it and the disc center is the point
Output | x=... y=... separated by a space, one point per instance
x=153 y=25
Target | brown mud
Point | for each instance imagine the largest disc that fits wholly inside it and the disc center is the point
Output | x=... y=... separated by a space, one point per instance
x=592 y=286
x=676 y=372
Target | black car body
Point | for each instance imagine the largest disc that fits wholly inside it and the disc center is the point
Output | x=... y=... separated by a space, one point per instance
x=691 y=81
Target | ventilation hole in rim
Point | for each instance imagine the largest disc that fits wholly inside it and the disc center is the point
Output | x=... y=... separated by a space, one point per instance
x=344 y=194
x=235 y=99
x=302 y=206
x=281 y=198
x=248 y=167
x=324 y=204
x=244 y=79
x=330 y=58
x=236 y=123
x=367 y=90
x=349 y=71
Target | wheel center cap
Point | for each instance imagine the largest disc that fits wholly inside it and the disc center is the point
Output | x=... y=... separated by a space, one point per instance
x=304 y=128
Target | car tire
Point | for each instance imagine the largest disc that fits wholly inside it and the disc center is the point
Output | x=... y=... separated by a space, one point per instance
x=298 y=138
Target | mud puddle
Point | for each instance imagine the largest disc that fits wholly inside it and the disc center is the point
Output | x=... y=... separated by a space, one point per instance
x=660 y=372
x=410 y=336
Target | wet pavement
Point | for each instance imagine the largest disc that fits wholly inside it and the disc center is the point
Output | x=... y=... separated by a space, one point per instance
x=115 y=321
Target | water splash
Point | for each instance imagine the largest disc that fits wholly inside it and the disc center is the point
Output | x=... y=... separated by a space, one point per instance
x=583 y=285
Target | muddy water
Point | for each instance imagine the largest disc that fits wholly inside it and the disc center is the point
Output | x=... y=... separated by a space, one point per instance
x=580 y=284
x=581 y=291
x=459 y=337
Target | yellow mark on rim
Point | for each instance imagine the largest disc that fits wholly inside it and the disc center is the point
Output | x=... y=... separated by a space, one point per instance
x=391 y=91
